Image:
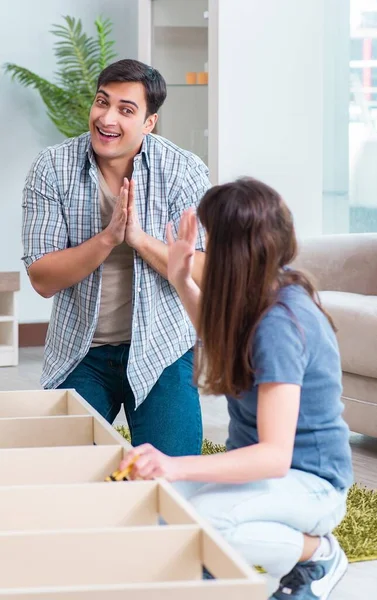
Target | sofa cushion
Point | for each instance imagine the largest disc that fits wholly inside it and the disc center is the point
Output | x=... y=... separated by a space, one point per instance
x=355 y=317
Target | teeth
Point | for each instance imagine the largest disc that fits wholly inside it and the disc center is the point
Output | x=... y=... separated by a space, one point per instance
x=108 y=134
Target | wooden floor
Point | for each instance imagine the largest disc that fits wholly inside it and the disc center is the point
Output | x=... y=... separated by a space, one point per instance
x=360 y=582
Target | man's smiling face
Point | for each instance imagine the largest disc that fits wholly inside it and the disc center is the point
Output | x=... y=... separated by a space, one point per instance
x=118 y=120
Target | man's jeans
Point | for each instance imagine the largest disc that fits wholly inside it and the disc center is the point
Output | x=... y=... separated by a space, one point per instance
x=169 y=418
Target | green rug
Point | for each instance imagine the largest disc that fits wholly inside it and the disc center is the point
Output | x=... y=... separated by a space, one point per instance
x=357 y=534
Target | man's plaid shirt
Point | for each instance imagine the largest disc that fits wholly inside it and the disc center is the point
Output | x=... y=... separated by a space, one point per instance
x=61 y=209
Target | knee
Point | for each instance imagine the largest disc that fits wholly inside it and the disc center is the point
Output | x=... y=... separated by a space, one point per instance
x=203 y=504
x=207 y=507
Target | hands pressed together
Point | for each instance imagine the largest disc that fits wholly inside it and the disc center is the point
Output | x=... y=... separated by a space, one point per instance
x=124 y=225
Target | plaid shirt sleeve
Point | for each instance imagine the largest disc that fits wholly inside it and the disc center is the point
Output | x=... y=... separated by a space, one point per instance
x=195 y=184
x=44 y=228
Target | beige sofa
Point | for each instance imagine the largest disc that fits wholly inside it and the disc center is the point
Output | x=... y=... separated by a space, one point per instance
x=345 y=271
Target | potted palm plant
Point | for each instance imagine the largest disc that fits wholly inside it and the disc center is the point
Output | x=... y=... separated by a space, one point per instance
x=80 y=59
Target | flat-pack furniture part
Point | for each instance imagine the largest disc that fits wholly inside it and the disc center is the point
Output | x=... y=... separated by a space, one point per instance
x=66 y=534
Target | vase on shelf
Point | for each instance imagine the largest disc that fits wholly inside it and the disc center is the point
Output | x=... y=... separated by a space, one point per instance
x=191 y=78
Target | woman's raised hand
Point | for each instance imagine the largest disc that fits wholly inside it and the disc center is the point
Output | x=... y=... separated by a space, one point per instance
x=182 y=250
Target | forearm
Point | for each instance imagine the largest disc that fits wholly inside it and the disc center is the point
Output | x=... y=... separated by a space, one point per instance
x=190 y=297
x=64 y=268
x=252 y=463
x=155 y=253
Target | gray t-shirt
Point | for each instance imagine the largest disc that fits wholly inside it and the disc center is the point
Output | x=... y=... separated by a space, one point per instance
x=115 y=313
x=294 y=343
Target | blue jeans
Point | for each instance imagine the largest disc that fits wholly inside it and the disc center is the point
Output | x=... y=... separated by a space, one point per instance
x=169 y=418
x=265 y=520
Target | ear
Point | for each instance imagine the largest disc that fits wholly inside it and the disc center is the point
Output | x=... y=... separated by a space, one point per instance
x=150 y=123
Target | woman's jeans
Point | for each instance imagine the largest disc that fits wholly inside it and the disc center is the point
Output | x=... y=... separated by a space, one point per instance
x=169 y=418
x=265 y=520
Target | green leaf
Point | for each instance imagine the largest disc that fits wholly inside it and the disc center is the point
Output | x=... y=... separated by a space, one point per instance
x=79 y=60
x=104 y=45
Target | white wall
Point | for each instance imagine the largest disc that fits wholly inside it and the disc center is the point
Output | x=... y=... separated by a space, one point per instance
x=269 y=61
x=24 y=127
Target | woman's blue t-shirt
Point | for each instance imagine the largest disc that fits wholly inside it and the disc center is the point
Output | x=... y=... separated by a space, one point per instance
x=294 y=343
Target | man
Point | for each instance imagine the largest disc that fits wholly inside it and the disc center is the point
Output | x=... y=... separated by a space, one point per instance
x=95 y=211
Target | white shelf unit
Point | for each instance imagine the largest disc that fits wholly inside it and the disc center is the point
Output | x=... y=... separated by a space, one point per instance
x=176 y=42
x=9 y=285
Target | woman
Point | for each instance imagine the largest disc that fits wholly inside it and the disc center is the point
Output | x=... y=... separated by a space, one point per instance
x=266 y=343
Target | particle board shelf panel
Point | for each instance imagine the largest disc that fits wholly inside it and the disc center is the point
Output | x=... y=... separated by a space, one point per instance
x=33 y=403
x=56 y=403
x=42 y=403
x=185 y=590
x=70 y=506
x=69 y=464
x=68 y=558
x=78 y=537
x=127 y=557
x=43 y=432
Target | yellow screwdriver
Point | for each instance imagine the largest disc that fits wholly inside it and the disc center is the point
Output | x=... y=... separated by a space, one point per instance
x=122 y=475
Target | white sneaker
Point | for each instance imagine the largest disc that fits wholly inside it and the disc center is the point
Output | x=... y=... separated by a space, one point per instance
x=314 y=580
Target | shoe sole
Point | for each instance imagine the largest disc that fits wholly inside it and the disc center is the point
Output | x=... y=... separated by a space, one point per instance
x=338 y=575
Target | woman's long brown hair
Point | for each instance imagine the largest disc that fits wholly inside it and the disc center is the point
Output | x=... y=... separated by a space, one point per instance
x=251 y=238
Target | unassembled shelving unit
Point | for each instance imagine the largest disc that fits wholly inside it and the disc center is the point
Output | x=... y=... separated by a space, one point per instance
x=66 y=534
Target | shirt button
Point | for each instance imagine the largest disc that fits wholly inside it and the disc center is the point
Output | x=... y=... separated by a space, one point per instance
x=139 y=290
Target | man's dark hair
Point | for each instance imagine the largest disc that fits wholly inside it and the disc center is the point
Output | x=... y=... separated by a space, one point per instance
x=135 y=71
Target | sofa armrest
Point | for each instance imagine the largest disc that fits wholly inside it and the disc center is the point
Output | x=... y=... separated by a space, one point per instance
x=341 y=262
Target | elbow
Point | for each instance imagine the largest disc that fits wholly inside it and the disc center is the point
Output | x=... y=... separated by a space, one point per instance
x=280 y=463
x=44 y=293
x=41 y=289
x=281 y=466
x=39 y=281
x=281 y=470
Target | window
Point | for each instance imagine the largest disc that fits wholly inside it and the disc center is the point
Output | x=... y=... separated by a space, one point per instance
x=363 y=117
